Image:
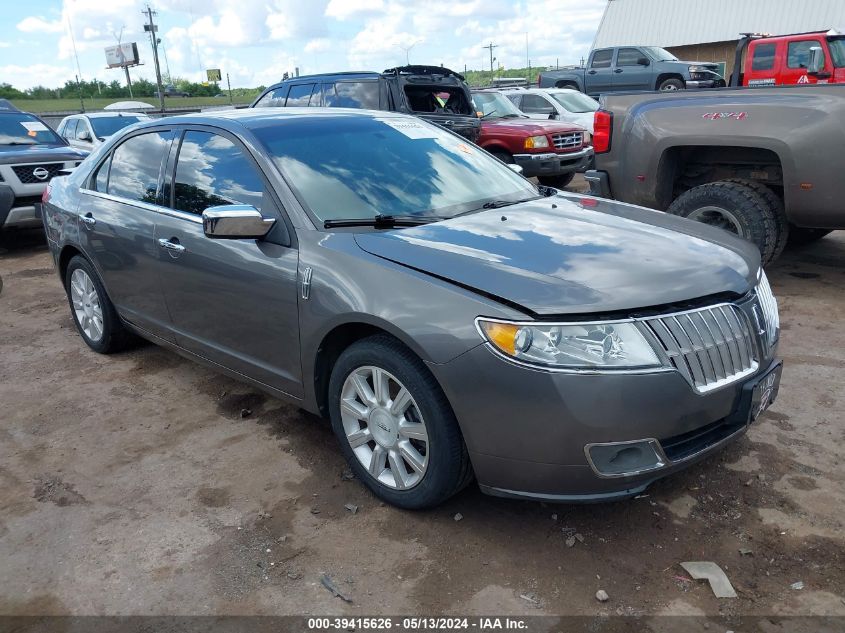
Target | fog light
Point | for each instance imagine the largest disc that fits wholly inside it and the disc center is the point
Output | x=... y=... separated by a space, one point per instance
x=619 y=459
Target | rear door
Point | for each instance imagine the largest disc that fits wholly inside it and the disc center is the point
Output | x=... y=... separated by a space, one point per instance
x=362 y=94
x=599 y=76
x=232 y=301
x=628 y=73
x=118 y=212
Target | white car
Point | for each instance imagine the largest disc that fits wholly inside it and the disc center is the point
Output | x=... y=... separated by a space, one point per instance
x=88 y=131
x=562 y=104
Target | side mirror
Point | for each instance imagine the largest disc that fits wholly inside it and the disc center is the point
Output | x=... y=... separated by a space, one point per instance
x=643 y=61
x=84 y=135
x=515 y=167
x=552 y=114
x=235 y=221
x=815 y=63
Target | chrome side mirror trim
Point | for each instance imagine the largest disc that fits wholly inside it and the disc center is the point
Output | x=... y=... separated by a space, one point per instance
x=235 y=221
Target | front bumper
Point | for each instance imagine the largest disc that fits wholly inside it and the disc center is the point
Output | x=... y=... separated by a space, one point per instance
x=553 y=163
x=526 y=430
x=17 y=213
x=693 y=84
x=599 y=183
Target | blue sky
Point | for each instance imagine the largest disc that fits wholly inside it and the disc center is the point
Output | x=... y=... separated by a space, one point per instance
x=255 y=41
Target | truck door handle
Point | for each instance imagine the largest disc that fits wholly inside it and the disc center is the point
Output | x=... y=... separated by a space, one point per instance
x=88 y=220
x=618 y=70
x=591 y=72
x=171 y=245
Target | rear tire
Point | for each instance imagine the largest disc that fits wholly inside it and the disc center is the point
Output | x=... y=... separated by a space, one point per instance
x=93 y=313
x=734 y=207
x=671 y=85
x=799 y=236
x=382 y=443
x=776 y=203
x=558 y=182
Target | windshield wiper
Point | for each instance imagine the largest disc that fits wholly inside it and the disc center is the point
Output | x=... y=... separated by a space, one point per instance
x=498 y=204
x=383 y=221
x=484 y=116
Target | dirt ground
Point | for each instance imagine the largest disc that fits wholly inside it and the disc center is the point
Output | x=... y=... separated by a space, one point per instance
x=144 y=484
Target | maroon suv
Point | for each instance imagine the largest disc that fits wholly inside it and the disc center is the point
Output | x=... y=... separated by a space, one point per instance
x=550 y=150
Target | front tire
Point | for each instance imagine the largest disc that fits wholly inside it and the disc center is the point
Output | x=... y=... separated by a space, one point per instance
x=395 y=426
x=93 y=313
x=734 y=207
x=671 y=85
x=558 y=182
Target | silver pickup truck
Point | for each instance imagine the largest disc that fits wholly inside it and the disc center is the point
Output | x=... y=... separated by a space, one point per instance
x=765 y=164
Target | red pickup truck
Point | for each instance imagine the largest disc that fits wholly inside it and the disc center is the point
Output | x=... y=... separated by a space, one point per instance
x=782 y=60
x=553 y=151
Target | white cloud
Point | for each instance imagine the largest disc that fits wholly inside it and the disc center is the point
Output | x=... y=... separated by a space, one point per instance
x=319 y=45
x=345 y=9
x=37 y=24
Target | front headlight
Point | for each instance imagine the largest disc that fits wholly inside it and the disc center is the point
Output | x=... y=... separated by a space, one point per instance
x=571 y=345
x=536 y=142
x=699 y=69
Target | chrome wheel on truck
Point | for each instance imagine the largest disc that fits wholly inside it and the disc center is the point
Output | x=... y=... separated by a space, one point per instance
x=384 y=427
x=720 y=217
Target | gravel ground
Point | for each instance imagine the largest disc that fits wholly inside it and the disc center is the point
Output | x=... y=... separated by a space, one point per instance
x=144 y=484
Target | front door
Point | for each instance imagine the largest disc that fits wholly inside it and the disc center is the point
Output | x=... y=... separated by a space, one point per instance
x=117 y=213
x=629 y=74
x=232 y=301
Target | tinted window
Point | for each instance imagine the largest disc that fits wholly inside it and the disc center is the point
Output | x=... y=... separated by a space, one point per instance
x=101 y=180
x=24 y=129
x=628 y=57
x=798 y=53
x=299 y=95
x=601 y=59
x=764 y=57
x=135 y=166
x=352 y=94
x=273 y=99
x=536 y=104
x=211 y=170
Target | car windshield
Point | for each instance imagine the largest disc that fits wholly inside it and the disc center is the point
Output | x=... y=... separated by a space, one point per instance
x=106 y=126
x=418 y=169
x=25 y=129
x=495 y=105
x=659 y=54
x=577 y=102
x=837 y=51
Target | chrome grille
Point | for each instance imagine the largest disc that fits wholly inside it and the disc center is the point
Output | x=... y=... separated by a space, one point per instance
x=711 y=347
x=769 y=308
x=570 y=140
x=26 y=176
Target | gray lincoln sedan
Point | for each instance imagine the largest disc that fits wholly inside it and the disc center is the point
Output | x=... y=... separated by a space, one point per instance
x=452 y=320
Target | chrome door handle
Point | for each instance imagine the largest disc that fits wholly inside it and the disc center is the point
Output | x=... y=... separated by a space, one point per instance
x=173 y=247
x=88 y=220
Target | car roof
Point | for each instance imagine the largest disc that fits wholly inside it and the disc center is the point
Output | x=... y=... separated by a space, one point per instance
x=262 y=117
x=362 y=74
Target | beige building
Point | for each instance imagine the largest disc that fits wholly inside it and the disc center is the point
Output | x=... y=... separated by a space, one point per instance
x=708 y=30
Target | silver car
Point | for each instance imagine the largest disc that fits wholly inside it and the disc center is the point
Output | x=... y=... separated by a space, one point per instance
x=452 y=319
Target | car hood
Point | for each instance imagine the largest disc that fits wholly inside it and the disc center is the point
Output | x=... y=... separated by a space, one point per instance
x=574 y=255
x=707 y=65
x=529 y=127
x=38 y=153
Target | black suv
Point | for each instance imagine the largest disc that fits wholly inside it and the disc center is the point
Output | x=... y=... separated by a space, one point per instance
x=433 y=93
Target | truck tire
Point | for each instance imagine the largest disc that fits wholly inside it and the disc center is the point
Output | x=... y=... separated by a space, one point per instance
x=558 y=182
x=670 y=85
x=567 y=84
x=781 y=223
x=799 y=235
x=734 y=207
x=502 y=155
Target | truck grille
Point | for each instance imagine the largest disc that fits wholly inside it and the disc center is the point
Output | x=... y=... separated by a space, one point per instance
x=26 y=175
x=711 y=347
x=570 y=140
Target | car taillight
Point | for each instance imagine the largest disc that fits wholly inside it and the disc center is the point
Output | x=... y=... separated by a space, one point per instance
x=602 y=131
x=45 y=197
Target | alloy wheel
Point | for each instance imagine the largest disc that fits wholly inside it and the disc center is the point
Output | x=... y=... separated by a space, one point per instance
x=718 y=216
x=86 y=305
x=384 y=427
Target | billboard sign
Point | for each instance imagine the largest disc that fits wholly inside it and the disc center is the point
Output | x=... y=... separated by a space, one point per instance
x=213 y=74
x=122 y=55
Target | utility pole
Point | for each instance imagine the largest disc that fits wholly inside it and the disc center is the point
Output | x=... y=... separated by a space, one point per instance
x=490 y=47
x=152 y=29
x=229 y=83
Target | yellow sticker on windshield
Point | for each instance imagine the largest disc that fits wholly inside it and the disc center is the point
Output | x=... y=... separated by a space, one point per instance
x=32 y=133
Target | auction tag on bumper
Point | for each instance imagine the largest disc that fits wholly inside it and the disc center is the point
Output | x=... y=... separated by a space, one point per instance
x=411 y=129
x=34 y=126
